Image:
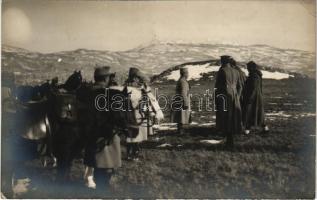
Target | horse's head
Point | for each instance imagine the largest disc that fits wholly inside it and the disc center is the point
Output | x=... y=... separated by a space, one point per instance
x=74 y=81
x=44 y=89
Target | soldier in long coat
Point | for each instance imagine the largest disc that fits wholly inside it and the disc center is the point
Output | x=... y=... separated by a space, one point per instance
x=228 y=110
x=103 y=151
x=253 y=110
x=138 y=133
x=181 y=113
x=242 y=79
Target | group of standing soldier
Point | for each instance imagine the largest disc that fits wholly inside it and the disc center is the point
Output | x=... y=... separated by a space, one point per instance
x=239 y=107
x=101 y=165
x=238 y=99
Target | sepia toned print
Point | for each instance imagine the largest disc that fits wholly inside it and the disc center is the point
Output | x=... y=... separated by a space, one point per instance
x=158 y=99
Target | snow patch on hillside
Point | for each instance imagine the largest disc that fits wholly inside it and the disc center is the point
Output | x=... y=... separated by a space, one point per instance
x=272 y=75
x=196 y=72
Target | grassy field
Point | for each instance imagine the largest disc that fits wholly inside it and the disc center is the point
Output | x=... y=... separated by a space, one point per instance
x=277 y=164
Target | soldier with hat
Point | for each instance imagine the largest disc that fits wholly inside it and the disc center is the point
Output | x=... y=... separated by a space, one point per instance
x=138 y=133
x=228 y=110
x=253 y=111
x=181 y=113
x=103 y=151
x=136 y=78
x=240 y=88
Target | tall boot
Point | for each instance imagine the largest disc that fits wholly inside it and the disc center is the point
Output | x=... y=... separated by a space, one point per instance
x=130 y=151
x=180 y=129
x=136 y=151
x=229 y=141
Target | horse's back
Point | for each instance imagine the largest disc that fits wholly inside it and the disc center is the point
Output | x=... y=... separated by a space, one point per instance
x=32 y=121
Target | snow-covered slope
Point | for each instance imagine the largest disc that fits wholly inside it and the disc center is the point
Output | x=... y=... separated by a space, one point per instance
x=152 y=59
x=196 y=72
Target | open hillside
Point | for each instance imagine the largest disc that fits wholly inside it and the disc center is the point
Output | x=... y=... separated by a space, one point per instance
x=34 y=67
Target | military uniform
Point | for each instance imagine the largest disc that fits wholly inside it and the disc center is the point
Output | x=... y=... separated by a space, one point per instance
x=181 y=112
x=253 y=110
x=228 y=110
x=240 y=86
x=138 y=133
x=103 y=151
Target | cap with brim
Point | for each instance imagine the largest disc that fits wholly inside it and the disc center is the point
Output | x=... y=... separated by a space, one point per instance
x=102 y=71
x=225 y=58
x=135 y=72
x=252 y=65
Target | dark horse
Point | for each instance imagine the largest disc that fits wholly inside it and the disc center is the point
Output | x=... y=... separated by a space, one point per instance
x=31 y=118
x=70 y=138
x=67 y=135
x=26 y=131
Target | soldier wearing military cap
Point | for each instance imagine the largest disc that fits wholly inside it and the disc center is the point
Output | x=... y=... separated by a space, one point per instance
x=101 y=75
x=100 y=162
x=181 y=113
x=138 y=80
x=228 y=110
x=253 y=110
x=240 y=89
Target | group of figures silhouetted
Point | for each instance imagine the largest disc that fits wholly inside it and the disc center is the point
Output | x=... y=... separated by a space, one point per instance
x=239 y=100
x=64 y=119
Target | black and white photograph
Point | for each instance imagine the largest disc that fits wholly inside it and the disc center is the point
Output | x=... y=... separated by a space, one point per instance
x=158 y=99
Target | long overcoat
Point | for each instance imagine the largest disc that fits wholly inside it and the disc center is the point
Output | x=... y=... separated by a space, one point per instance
x=228 y=108
x=103 y=148
x=253 y=110
x=142 y=131
x=181 y=112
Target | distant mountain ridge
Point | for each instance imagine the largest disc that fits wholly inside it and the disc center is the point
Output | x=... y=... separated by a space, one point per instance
x=153 y=59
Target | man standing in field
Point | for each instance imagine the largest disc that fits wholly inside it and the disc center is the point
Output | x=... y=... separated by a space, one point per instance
x=137 y=79
x=253 y=110
x=181 y=102
x=103 y=151
x=240 y=86
x=228 y=110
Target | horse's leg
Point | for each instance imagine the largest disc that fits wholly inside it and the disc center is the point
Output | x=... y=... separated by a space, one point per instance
x=63 y=153
x=48 y=142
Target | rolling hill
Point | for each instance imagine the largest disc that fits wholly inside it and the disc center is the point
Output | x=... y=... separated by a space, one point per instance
x=33 y=67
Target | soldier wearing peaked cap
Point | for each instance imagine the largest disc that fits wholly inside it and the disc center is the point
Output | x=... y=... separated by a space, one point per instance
x=181 y=113
x=240 y=87
x=139 y=80
x=253 y=110
x=228 y=110
x=136 y=77
x=100 y=162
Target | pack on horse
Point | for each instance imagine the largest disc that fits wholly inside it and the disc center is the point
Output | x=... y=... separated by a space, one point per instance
x=31 y=121
x=119 y=110
x=67 y=116
x=76 y=122
x=27 y=132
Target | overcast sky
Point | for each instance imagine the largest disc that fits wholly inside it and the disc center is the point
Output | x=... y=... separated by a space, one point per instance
x=49 y=26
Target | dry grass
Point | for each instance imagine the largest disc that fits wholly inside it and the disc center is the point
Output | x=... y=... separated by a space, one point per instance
x=278 y=164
